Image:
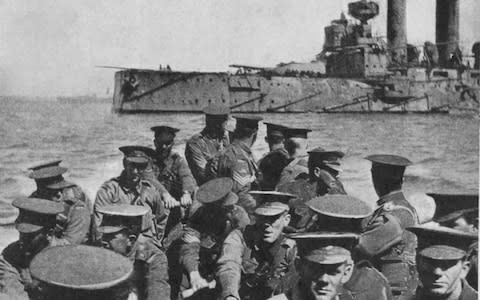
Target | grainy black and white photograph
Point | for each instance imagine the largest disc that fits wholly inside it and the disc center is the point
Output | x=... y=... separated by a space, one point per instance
x=239 y=150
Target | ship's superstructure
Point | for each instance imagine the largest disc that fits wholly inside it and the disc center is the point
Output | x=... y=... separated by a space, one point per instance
x=355 y=72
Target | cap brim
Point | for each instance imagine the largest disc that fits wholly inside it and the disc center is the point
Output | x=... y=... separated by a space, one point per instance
x=329 y=259
x=60 y=185
x=442 y=252
x=110 y=229
x=137 y=160
x=270 y=210
x=27 y=227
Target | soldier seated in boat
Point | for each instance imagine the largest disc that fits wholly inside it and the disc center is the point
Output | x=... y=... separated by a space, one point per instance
x=35 y=224
x=326 y=266
x=125 y=229
x=395 y=259
x=443 y=263
x=131 y=188
x=259 y=262
x=213 y=216
x=74 y=222
x=322 y=179
x=272 y=164
x=296 y=143
x=202 y=148
x=237 y=161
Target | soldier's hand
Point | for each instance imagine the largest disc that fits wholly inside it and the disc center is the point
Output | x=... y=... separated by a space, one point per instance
x=169 y=201
x=186 y=199
x=197 y=281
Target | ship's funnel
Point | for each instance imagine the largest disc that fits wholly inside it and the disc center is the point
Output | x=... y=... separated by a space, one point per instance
x=397 y=31
x=447 y=29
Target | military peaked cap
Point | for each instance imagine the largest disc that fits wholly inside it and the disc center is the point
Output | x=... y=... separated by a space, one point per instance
x=47 y=170
x=275 y=130
x=272 y=203
x=36 y=214
x=442 y=243
x=325 y=247
x=137 y=154
x=164 y=129
x=390 y=166
x=452 y=206
x=117 y=217
x=297 y=133
x=60 y=185
x=326 y=158
x=216 y=110
x=81 y=267
x=218 y=191
x=247 y=121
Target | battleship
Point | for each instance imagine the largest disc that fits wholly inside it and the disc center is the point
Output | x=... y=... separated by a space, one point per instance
x=355 y=72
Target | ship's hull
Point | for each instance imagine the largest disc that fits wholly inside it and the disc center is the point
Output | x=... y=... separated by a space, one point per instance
x=159 y=91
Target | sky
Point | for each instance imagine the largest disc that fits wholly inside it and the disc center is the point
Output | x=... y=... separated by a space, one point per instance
x=51 y=47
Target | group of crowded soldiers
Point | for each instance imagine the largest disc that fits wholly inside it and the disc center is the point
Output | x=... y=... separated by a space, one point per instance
x=218 y=225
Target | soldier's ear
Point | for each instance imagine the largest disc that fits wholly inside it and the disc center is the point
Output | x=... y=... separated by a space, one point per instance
x=466 y=265
x=317 y=172
x=287 y=219
x=347 y=272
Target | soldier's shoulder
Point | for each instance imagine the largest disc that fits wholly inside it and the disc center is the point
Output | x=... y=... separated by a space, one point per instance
x=111 y=183
x=196 y=138
x=365 y=277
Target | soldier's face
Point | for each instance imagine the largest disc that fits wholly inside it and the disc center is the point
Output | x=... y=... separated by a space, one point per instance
x=325 y=280
x=164 y=143
x=134 y=171
x=271 y=227
x=118 y=242
x=441 y=277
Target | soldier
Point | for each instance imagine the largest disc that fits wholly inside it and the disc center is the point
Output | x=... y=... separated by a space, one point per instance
x=202 y=148
x=172 y=169
x=173 y=172
x=212 y=218
x=125 y=229
x=260 y=262
x=100 y=275
x=238 y=163
x=272 y=164
x=342 y=213
x=130 y=188
x=395 y=259
x=296 y=144
x=460 y=211
x=443 y=263
x=322 y=179
x=35 y=225
x=74 y=223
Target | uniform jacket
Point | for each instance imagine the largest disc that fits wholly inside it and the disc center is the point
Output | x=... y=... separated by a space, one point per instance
x=294 y=168
x=15 y=279
x=149 y=280
x=203 y=236
x=144 y=193
x=74 y=223
x=201 y=151
x=366 y=283
x=173 y=172
x=237 y=163
x=306 y=189
x=271 y=167
x=468 y=293
x=396 y=262
x=247 y=269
